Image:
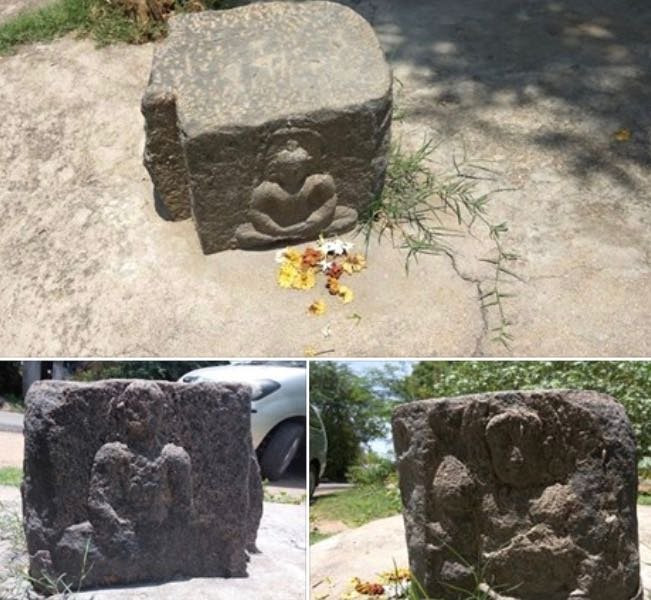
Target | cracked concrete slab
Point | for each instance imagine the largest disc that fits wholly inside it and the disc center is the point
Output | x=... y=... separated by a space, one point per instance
x=532 y=90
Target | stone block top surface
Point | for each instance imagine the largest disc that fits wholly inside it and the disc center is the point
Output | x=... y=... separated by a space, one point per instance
x=264 y=62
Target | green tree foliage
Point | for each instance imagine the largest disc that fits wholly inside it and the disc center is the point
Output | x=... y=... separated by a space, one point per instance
x=11 y=379
x=167 y=370
x=352 y=413
x=627 y=381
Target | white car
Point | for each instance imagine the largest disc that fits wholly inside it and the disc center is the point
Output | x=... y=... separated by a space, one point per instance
x=278 y=407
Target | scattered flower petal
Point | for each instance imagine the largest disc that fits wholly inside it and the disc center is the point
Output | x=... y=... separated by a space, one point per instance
x=335 y=271
x=369 y=588
x=325 y=264
x=354 y=263
x=623 y=135
x=346 y=294
x=311 y=257
x=333 y=286
x=336 y=247
x=304 y=280
x=318 y=307
x=287 y=274
x=326 y=332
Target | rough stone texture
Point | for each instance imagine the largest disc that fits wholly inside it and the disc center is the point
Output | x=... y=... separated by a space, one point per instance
x=267 y=123
x=536 y=490
x=152 y=480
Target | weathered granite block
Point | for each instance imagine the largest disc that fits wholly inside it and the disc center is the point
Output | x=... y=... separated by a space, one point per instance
x=268 y=123
x=130 y=481
x=535 y=491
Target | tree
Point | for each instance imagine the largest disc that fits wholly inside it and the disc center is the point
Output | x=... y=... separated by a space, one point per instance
x=167 y=370
x=352 y=413
x=629 y=382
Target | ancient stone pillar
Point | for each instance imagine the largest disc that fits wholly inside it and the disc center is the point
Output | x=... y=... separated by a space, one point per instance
x=531 y=495
x=134 y=481
x=268 y=123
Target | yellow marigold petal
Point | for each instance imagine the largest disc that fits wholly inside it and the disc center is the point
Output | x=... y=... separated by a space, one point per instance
x=346 y=294
x=318 y=307
x=293 y=256
x=304 y=280
x=310 y=351
x=347 y=267
x=286 y=275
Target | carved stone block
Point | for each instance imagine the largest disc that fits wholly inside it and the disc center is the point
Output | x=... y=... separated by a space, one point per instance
x=132 y=481
x=268 y=123
x=530 y=494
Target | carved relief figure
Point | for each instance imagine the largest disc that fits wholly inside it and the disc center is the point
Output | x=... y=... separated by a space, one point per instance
x=294 y=201
x=135 y=485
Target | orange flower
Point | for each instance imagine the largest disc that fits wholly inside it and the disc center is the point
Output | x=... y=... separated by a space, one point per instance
x=333 y=286
x=334 y=270
x=369 y=589
x=311 y=256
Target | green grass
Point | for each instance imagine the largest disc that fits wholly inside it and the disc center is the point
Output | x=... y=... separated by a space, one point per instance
x=423 y=212
x=317 y=536
x=11 y=476
x=644 y=499
x=97 y=19
x=283 y=497
x=354 y=507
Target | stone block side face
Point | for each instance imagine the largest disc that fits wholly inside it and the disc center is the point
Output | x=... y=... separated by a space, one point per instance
x=138 y=480
x=534 y=490
x=163 y=156
x=288 y=181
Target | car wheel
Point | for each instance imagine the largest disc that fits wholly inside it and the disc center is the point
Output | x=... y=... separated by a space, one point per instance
x=314 y=478
x=281 y=450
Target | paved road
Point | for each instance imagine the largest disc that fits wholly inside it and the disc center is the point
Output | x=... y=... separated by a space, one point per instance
x=328 y=489
x=11 y=421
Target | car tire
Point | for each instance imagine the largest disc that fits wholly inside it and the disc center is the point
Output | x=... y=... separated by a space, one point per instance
x=281 y=449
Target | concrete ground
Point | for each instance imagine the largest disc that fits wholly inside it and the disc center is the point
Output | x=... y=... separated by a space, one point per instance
x=11 y=421
x=277 y=573
x=366 y=551
x=534 y=89
x=11 y=449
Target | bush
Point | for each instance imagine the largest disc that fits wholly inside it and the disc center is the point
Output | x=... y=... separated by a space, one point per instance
x=166 y=370
x=352 y=414
x=371 y=469
x=629 y=382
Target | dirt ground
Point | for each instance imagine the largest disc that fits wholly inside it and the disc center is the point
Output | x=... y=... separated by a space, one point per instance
x=279 y=566
x=536 y=90
x=366 y=551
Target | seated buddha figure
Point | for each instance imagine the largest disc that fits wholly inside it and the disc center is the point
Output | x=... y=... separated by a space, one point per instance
x=294 y=201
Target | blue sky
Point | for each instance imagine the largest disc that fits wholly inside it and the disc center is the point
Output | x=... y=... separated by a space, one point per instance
x=383 y=446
